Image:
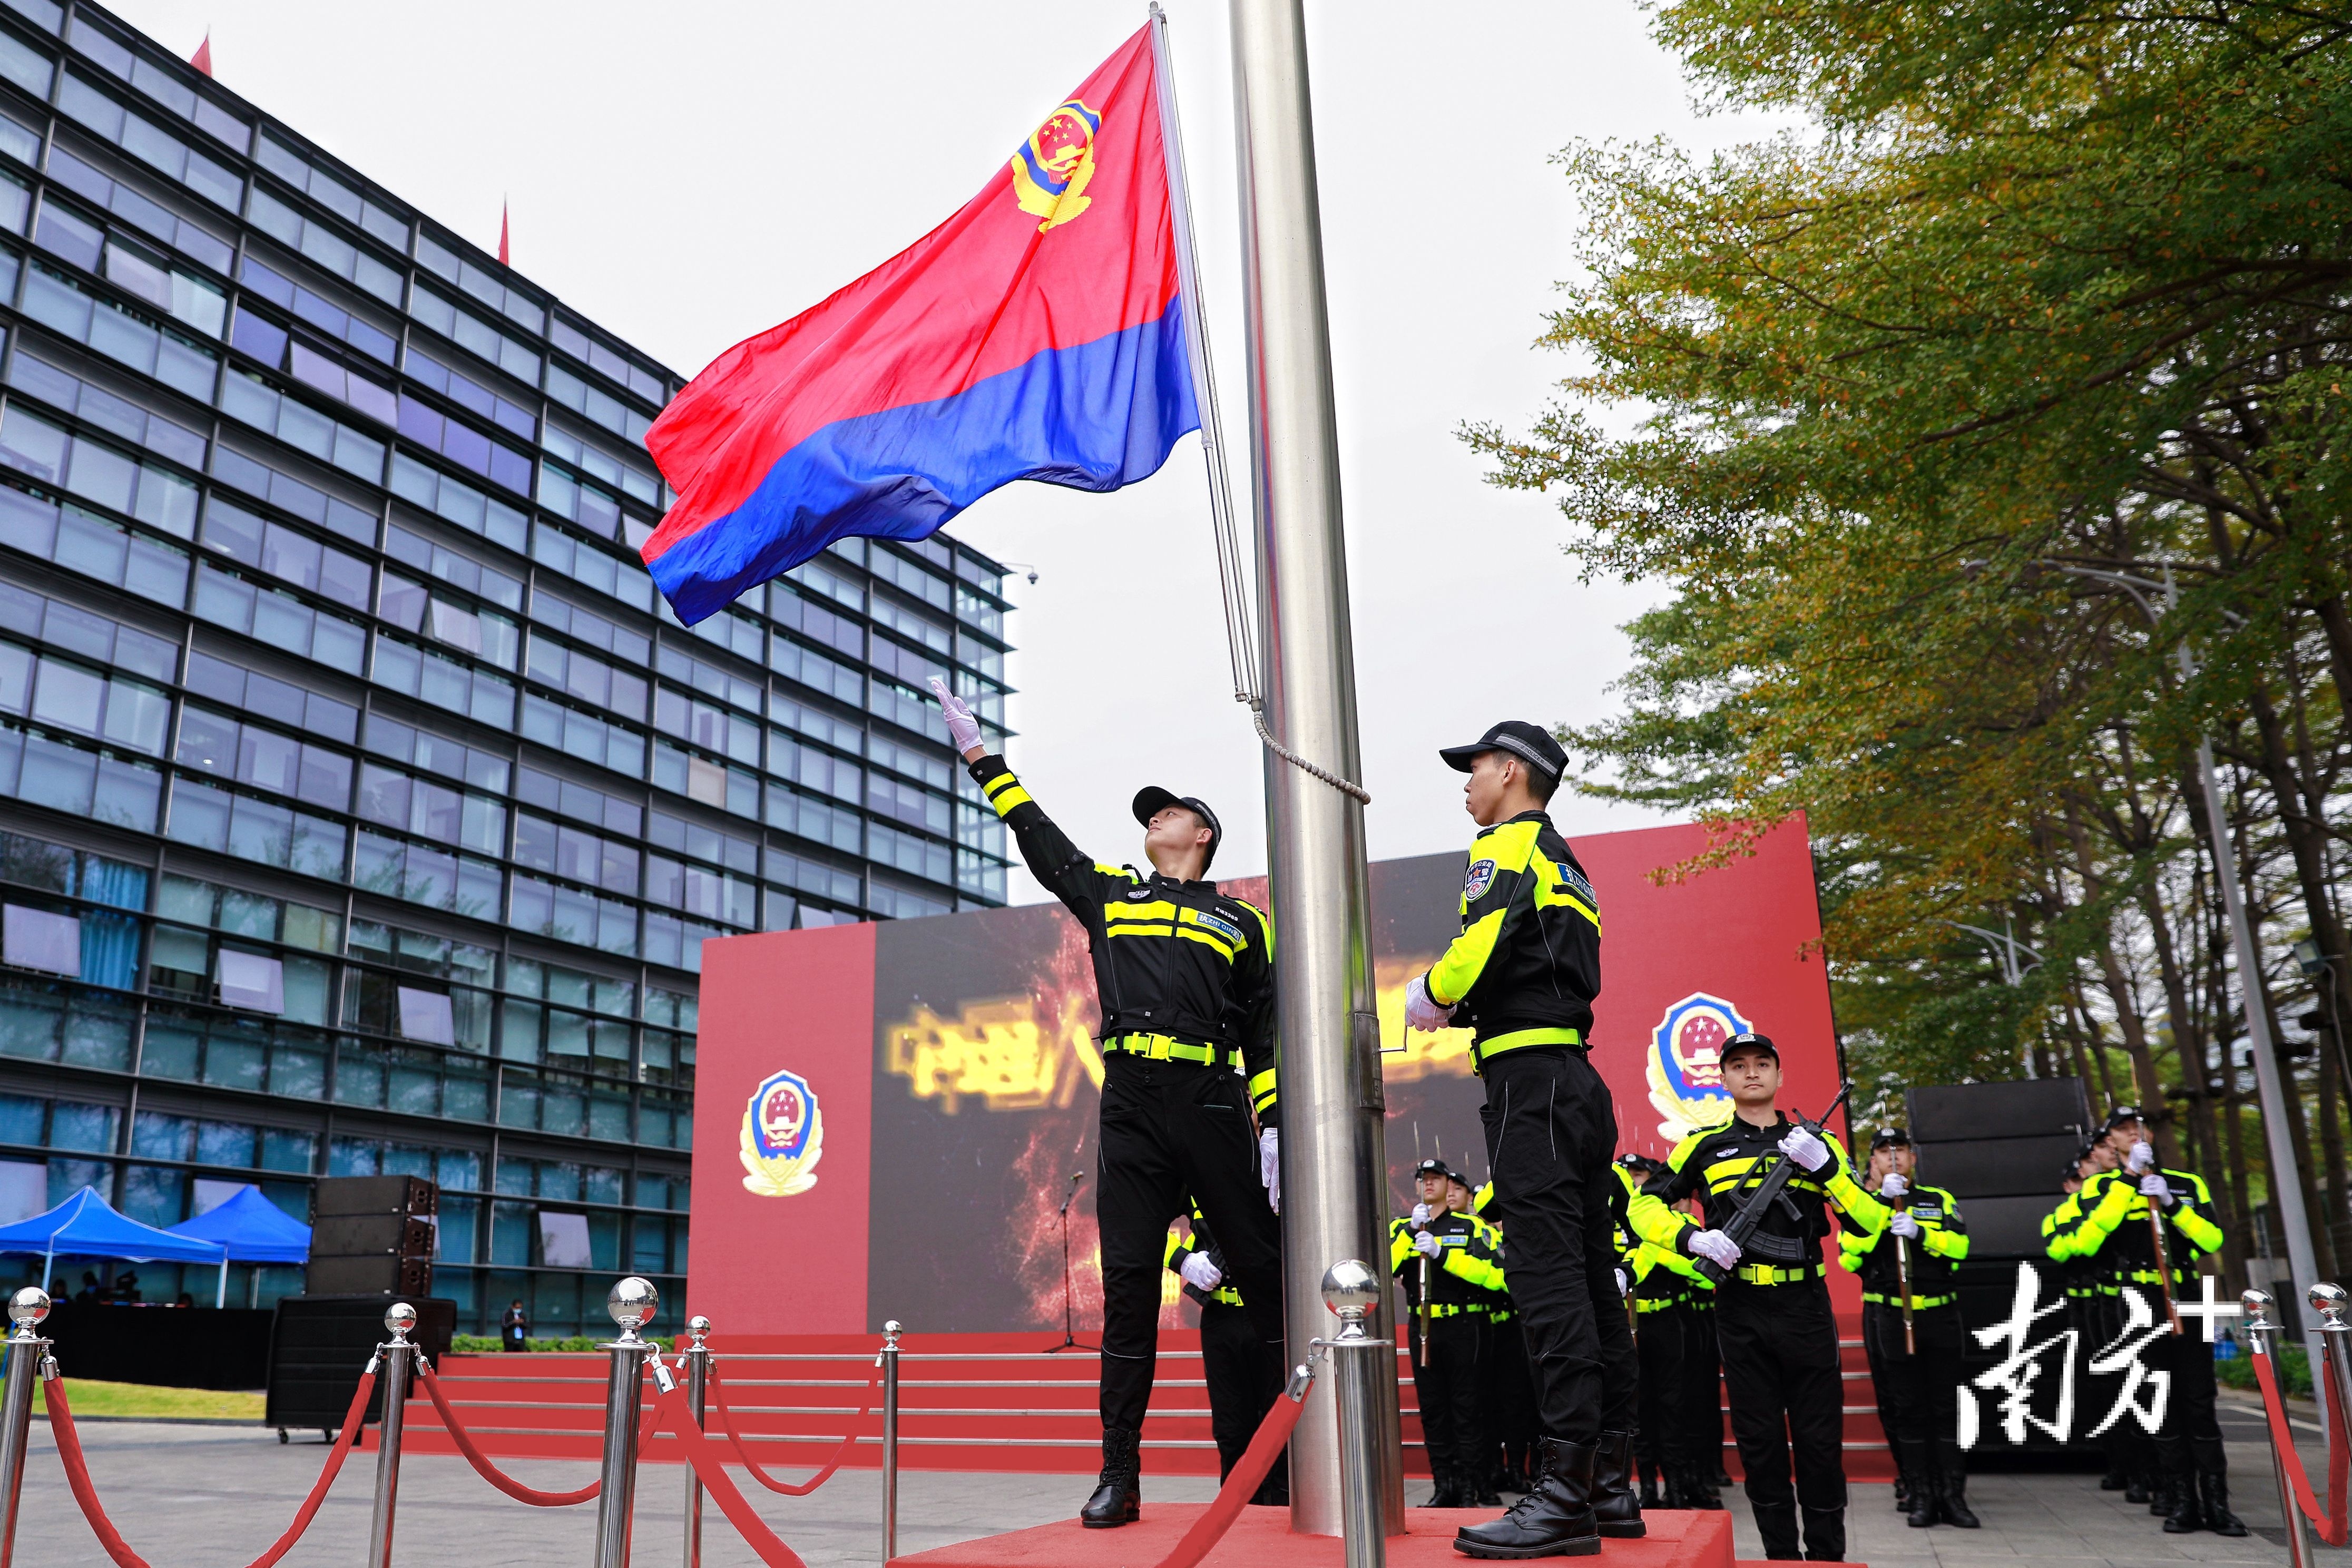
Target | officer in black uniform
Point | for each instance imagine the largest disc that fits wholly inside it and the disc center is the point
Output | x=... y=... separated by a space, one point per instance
x=1185 y=977
x=2093 y=1313
x=2117 y=1231
x=1231 y=1357
x=1522 y=976
x=1509 y=1382
x=1462 y=1262
x=1659 y=1285
x=1923 y=1240
x=1773 y=1321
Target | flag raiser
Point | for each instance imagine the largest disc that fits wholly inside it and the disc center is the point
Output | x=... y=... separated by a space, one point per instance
x=1039 y=334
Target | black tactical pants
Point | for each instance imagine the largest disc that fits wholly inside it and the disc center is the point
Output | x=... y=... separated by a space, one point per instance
x=1448 y=1385
x=1232 y=1359
x=1702 y=1412
x=1658 y=1338
x=2190 y=1438
x=1170 y=1130
x=1552 y=1132
x=1780 y=1369
x=1919 y=1393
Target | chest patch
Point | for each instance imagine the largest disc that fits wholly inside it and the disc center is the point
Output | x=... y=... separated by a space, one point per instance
x=1222 y=927
x=1481 y=878
x=1926 y=1211
x=1137 y=895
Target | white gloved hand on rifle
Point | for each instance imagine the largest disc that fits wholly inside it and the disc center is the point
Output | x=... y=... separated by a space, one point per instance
x=1425 y=1243
x=2155 y=1186
x=1903 y=1225
x=1421 y=1010
x=1420 y=1215
x=2142 y=1159
x=1197 y=1269
x=1269 y=1166
x=1621 y=1284
x=1716 y=1247
x=1805 y=1148
x=1894 y=1186
x=963 y=725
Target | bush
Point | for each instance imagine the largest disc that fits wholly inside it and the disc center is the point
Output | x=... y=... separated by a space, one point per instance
x=489 y=1344
x=2292 y=1366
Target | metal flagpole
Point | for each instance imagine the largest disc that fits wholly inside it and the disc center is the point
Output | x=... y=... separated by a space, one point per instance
x=1334 y=1172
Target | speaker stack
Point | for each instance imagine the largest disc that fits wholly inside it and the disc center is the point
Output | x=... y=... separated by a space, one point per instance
x=371 y=1244
x=371 y=1236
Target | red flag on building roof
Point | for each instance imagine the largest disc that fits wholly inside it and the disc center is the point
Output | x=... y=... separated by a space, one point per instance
x=503 y=261
x=203 y=58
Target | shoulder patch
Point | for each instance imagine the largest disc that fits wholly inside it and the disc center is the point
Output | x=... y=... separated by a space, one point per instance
x=1481 y=878
x=1577 y=883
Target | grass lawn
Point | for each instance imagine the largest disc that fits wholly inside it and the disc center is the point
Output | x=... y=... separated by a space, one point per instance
x=91 y=1397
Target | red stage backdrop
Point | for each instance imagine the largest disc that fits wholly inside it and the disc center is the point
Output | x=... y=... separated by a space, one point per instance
x=888 y=1116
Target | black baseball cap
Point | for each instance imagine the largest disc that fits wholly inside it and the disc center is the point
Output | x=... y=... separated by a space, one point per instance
x=2123 y=1113
x=1889 y=1138
x=1749 y=1040
x=1151 y=800
x=1436 y=1168
x=1532 y=744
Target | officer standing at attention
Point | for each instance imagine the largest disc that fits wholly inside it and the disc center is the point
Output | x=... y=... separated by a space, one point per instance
x=2094 y=1312
x=1522 y=976
x=1464 y=1270
x=1918 y=1389
x=1230 y=1353
x=1773 y=1323
x=1184 y=974
x=2116 y=1230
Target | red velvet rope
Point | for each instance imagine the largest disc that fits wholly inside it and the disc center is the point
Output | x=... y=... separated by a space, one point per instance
x=709 y=1462
x=490 y=1472
x=61 y=1424
x=1272 y=1433
x=2331 y=1526
x=789 y=1489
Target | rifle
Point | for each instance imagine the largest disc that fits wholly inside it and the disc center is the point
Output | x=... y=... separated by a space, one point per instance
x=1742 y=1224
x=2163 y=1256
x=1903 y=1280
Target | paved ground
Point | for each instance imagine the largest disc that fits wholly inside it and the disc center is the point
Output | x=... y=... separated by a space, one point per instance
x=209 y=1497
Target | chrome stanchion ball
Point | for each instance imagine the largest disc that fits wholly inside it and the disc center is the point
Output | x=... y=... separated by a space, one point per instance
x=28 y=1306
x=399 y=1319
x=1350 y=1288
x=633 y=1302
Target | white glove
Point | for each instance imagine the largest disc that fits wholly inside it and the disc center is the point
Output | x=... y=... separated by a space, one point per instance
x=1805 y=1148
x=1903 y=1225
x=2155 y=1186
x=1420 y=1215
x=1269 y=1166
x=963 y=728
x=1621 y=1284
x=1421 y=1011
x=2143 y=1158
x=1895 y=1186
x=1716 y=1247
x=1425 y=1243
x=1198 y=1270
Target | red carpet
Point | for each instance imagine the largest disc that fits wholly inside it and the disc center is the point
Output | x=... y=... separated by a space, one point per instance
x=1261 y=1538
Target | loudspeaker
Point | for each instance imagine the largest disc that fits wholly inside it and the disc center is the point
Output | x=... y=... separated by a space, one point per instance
x=372 y=1234
x=378 y=1274
x=338 y=1195
x=319 y=1345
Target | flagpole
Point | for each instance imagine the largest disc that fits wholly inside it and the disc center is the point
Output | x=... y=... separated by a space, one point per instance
x=1334 y=1169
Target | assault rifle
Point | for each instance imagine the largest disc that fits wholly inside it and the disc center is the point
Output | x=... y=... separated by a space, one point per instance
x=1742 y=1226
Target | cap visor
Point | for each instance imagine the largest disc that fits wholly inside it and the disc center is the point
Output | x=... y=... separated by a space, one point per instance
x=1461 y=759
x=1151 y=800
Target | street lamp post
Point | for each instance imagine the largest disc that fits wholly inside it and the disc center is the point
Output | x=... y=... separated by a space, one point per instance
x=2286 y=1174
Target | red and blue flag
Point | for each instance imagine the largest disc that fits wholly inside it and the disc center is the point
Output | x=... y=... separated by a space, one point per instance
x=1037 y=334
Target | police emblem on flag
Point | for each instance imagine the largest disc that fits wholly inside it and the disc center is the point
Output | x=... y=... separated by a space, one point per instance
x=784 y=1136
x=1052 y=170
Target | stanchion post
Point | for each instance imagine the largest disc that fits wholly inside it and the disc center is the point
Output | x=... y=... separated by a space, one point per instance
x=2330 y=1302
x=696 y=1358
x=2259 y=1331
x=26 y=1351
x=632 y=1303
x=1352 y=1289
x=393 y=1359
x=889 y=1362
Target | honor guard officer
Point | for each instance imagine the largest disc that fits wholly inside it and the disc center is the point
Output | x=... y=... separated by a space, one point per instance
x=1918 y=1385
x=1184 y=974
x=1522 y=976
x=1230 y=1356
x=1465 y=1271
x=1773 y=1323
x=1660 y=1282
x=2093 y=1311
x=2124 y=1213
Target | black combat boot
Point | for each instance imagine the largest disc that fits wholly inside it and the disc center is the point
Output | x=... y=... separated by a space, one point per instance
x=1441 y=1485
x=1952 y=1487
x=1915 y=1457
x=1118 y=1494
x=2214 y=1491
x=1555 y=1519
x=1614 y=1502
x=1825 y=1534
x=1650 y=1485
x=1479 y=1489
x=2180 y=1488
x=1777 y=1523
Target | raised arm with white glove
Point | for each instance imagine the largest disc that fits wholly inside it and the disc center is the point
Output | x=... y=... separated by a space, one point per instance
x=964 y=724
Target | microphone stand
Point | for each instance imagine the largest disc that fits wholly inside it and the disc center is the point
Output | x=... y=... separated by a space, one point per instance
x=1069 y=1319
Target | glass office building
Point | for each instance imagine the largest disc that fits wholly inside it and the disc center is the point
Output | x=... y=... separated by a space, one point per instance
x=362 y=809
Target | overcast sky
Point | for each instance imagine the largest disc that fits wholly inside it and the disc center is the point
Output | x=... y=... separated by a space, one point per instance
x=693 y=175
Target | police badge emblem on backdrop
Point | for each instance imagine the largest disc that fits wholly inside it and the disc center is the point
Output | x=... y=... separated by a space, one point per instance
x=784 y=1136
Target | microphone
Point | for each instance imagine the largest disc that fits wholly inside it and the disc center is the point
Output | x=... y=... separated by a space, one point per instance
x=1073 y=1195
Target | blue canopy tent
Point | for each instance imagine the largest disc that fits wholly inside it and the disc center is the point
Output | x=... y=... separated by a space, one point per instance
x=84 y=1225
x=254 y=1229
